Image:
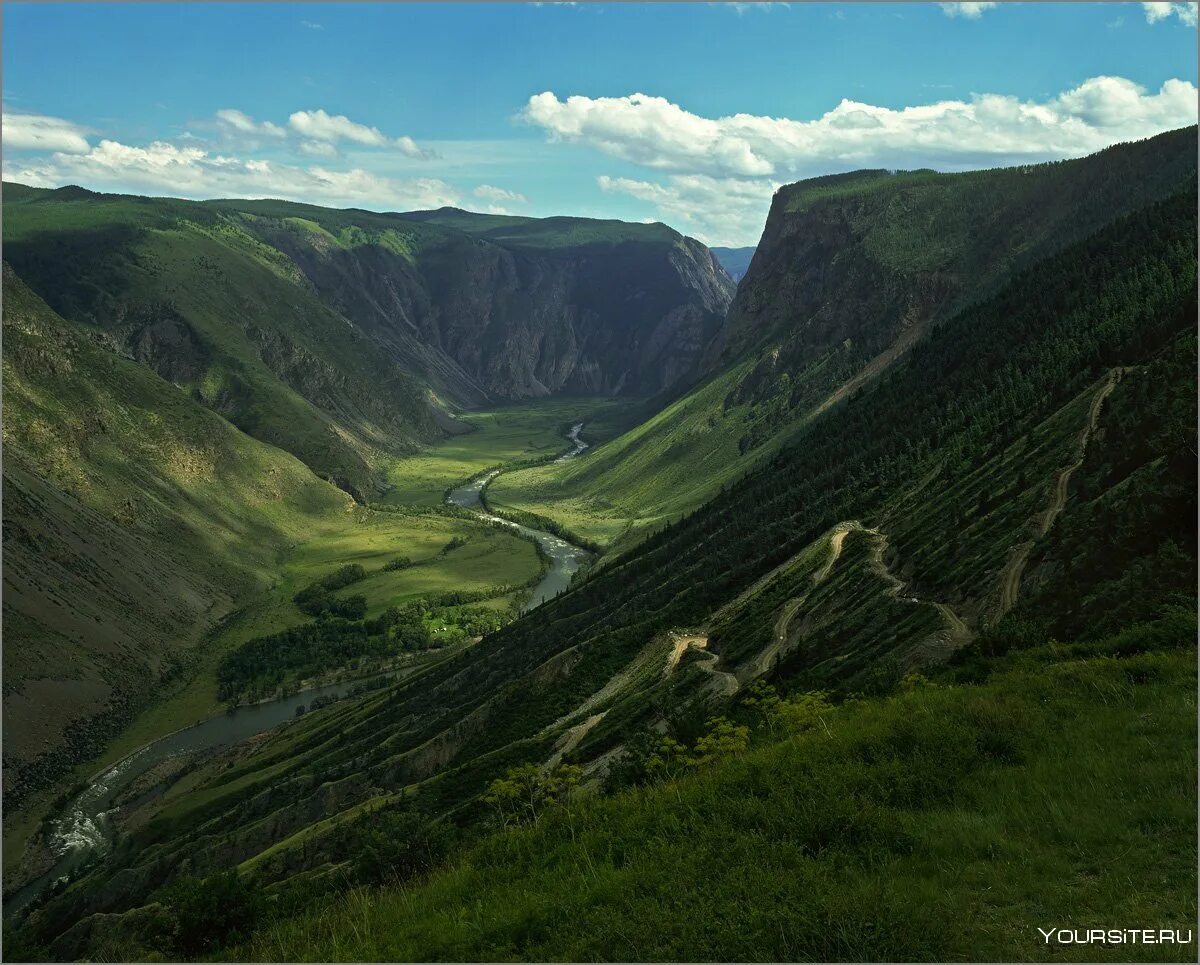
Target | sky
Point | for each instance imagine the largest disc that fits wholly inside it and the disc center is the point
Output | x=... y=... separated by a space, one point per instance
x=688 y=113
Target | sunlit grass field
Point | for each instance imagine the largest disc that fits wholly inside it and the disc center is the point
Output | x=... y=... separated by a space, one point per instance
x=491 y=559
x=514 y=433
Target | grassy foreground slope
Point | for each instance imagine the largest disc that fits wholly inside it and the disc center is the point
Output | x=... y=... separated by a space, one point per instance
x=943 y=823
x=851 y=272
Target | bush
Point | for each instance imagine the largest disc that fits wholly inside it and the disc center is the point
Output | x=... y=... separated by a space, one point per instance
x=316 y=598
x=212 y=912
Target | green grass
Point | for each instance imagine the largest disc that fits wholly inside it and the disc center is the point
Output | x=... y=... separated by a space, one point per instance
x=946 y=822
x=491 y=559
x=510 y=434
x=666 y=466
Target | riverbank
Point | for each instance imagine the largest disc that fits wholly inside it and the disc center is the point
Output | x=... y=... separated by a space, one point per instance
x=565 y=558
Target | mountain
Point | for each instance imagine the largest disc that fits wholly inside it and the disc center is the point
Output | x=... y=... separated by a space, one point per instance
x=342 y=336
x=902 y=615
x=851 y=272
x=736 y=261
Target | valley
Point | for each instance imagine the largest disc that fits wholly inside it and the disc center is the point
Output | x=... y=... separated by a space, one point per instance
x=463 y=603
x=81 y=833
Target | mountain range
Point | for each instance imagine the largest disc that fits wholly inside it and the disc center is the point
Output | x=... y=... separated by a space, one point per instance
x=896 y=557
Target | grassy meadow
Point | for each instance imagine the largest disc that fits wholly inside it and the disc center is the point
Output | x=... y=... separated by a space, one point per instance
x=522 y=432
x=491 y=559
x=650 y=475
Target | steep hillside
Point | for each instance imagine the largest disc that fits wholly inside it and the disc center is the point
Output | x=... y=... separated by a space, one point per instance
x=191 y=295
x=942 y=510
x=518 y=307
x=851 y=272
x=134 y=519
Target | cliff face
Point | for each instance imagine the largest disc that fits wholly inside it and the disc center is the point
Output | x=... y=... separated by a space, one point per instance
x=485 y=318
x=854 y=267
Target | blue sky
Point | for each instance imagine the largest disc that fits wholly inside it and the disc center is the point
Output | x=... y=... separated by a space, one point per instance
x=687 y=113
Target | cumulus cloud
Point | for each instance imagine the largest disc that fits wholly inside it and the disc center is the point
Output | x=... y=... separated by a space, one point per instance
x=718 y=174
x=318 y=149
x=1186 y=12
x=718 y=211
x=331 y=128
x=236 y=120
x=968 y=10
x=194 y=172
x=37 y=132
x=648 y=130
x=988 y=128
x=489 y=192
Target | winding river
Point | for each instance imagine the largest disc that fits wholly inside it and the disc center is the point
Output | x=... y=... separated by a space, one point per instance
x=85 y=828
x=565 y=558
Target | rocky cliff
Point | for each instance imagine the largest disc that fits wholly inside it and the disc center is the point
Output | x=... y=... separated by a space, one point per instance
x=853 y=268
x=504 y=308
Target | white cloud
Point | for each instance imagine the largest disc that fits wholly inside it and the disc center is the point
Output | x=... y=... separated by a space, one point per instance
x=1186 y=12
x=312 y=26
x=489 y=192
x=40 y=133
x=245 y=124
x=648 y=130
x=320 y=126
x=967 y=10
x=409 y=148
x=719 y=173
x=718 y=211
x=194 y=172
x=741 y=8
x=987 y=129
x=318 y=149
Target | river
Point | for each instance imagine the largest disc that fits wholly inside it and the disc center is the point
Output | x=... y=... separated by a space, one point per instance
x=565 y=558
x=85 y=827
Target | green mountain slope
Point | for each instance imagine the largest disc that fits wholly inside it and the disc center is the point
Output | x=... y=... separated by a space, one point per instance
x=134 y=519
x=851 y=272
x=924 y=517
x=188 y=293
